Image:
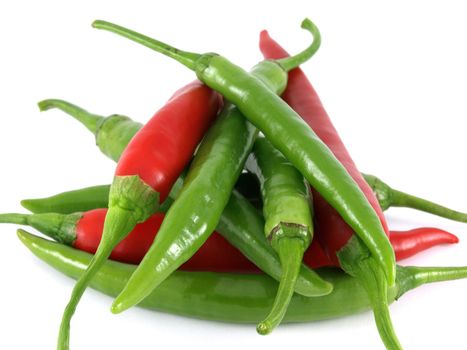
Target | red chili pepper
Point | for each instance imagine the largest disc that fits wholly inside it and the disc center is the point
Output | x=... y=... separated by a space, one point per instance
x=337 y=238
x=407 y=244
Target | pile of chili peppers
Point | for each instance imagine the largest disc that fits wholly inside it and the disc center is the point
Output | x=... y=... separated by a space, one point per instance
x=236 y=202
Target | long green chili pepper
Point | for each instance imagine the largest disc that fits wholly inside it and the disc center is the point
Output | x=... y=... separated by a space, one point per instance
x=288 y=216
x=288 y=133
x=212 y=175
x=185 y=293
x=112 y=133
x=389 y=197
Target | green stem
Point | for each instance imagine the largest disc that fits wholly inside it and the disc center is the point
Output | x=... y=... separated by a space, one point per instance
x=12 y=218
x=375 y=284
x=401 y=199
x=413 y=276
x=292 y=62
x=91 y=121
x=119 y=222
x=188 y=59
x=356 y=260
x=59 y=227
x=389 y=197
x=290 y=252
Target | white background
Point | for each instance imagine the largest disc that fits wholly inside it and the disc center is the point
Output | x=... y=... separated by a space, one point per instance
x=392 y=76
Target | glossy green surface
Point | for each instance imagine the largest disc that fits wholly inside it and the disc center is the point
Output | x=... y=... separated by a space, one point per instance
x=288 y=215
x=233 y=298
x=284 y=193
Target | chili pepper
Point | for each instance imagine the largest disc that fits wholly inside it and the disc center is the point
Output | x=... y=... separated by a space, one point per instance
x=342 y=244
x=222 y=296
x=409 y=243
x=239 y=219
x=389 y=197
x=112 y=133
x=146 y=171
x=240 y=224
x=288 y=217
x=288 y=133
x=83 y=199
x=211 y=177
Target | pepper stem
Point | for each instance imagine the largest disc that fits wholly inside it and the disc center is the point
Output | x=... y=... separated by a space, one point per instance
x=357 y=261
x=412 y=277
x=292 y=62
x=373 y=280
x=389 y=197
x=91 y=121
x=118 y=224
x=59 y=227
x=12 y=218
x=401 y=199
x=290 y=252
x=188 y=59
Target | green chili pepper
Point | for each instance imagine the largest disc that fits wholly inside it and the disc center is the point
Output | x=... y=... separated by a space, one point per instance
x=112 y=133
x=289 y=226
x=288 y=133
x=222 y=297
x=389 y=197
